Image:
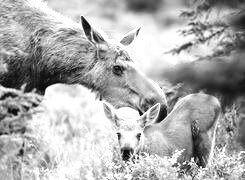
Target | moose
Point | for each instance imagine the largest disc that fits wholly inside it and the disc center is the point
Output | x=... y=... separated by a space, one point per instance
x=48 y=48
x=190 y=127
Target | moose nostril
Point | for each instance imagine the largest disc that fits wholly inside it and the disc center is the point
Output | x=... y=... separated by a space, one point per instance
x=127 y=153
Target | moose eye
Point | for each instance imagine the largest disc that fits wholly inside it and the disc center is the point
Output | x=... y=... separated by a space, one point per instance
x=138 y=136
x=118 y=135
x=118 y=70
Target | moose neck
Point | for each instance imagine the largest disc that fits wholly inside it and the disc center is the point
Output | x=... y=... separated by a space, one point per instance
x=54 y=49
x=64 y=57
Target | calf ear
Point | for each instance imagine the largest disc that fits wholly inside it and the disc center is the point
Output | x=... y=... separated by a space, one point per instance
x=129 y=37
x=110 y=114
x=90 y=33
x=149 y=116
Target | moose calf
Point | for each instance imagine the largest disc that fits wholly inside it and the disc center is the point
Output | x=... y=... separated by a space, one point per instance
x=190 y=126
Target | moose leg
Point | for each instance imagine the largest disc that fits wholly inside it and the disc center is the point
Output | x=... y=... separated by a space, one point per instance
x=202 y=145
x=202 y=149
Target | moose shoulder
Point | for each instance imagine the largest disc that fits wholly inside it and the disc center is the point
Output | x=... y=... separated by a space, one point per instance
x=47 y=48
x=190 y=127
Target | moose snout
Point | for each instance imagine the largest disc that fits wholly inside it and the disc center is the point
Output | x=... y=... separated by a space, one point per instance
x=127 y=153
x=154 y=95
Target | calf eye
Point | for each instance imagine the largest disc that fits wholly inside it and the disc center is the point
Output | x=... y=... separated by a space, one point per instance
x=117 y=70
x=118 y=135
x=138 y=136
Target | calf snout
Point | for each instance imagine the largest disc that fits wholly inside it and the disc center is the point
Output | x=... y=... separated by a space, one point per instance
x=127 y=153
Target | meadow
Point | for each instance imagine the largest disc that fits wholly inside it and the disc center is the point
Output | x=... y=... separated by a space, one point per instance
x=65 y=134
x=68 y=137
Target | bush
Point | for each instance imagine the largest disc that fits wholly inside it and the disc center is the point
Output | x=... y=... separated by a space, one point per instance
x=19 y=143
x=60 y=142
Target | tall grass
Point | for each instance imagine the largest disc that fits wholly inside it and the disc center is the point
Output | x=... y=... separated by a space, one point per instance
x=76 y=141
x=69 y=138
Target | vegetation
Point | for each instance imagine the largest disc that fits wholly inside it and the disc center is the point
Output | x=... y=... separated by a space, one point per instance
x=220 y=25
x=220 y=21
x=68 y=137
x=58 y=143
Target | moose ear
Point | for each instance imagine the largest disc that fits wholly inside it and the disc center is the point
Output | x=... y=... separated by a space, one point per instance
x=129 y=37
x=149 y=116
x=110 y=114
x=90 y=33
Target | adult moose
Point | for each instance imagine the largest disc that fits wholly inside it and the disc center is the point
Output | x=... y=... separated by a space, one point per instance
x=49 y=48
x=190 y=127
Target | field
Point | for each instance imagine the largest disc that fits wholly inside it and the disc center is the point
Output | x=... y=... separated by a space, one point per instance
x=67 y=137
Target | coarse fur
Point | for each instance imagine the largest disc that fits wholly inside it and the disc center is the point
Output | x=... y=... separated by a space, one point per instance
x=48 y=48
x=190 y=127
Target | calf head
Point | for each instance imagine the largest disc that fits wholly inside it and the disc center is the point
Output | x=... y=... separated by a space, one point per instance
x=130 y=132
